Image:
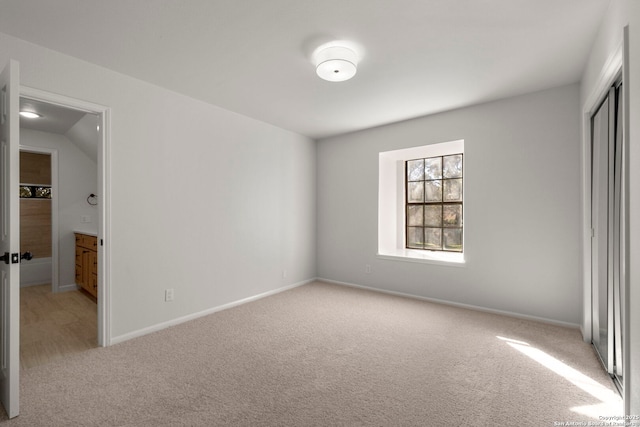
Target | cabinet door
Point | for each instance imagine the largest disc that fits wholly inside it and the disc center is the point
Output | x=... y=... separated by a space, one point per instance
x=92 y=273
x=79 y=268
x=87 y=263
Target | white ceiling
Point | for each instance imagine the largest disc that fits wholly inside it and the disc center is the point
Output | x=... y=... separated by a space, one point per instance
x=55 y=119
x=79 y=127
x=253 y=56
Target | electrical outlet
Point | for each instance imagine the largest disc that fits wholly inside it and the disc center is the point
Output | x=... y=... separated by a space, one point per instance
x=85 y=218
x=168 y=295
x=367 y=268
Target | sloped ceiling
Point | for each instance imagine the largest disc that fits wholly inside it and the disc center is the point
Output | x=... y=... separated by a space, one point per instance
x=54 y=119
x=253 y=57
x=79 y=127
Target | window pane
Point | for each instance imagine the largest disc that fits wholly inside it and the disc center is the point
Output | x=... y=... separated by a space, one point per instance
x=433 y=168
x=453 y=239
x=415 y=192
x=433 y=238
x=415 y=170
x=43 y=192
x=434 y=203
x=25 y=192
x=415 y=237
x=452 y=190
x=433 y=215
x=452 y=215
x=452 y=166
x=433 y=191
x=415 y=215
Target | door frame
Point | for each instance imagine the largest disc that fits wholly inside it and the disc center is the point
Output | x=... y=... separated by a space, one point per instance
x=104 y=192
x=53 y=153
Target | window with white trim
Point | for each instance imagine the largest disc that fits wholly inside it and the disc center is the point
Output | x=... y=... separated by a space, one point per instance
x=418 y=210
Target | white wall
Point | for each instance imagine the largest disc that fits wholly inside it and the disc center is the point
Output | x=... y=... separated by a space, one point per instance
x=205 y=201
x=608 y=40
x=85 y=136
x=77 y=178
x=522 y=207
x=610 y=37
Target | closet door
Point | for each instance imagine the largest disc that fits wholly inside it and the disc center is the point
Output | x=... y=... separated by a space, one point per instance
x=608 y=232
x=619 y=233
x=599 y=225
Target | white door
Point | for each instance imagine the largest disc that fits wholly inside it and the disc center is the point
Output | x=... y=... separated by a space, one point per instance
x=10 y=239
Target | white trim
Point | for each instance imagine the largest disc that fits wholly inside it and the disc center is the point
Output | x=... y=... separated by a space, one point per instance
x=38 y=283
x=61 y=100
x=610 y=72
x=626 y=278
x=55 y=264
x=193 y=316
x=457 y=304
x=104 y=188
x=67 y=288
x=414 y=257
x=104 y=229
x=391 y=204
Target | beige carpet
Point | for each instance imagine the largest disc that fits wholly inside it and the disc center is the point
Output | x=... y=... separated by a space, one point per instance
x=326 y=355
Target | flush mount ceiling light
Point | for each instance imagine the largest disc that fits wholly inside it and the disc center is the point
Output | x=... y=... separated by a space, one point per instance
x=335 y=62
x=30 y=114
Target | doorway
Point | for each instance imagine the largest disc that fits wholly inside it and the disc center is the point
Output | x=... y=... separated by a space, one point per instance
x=608 y=225
x=55 y=320
x=94 y=219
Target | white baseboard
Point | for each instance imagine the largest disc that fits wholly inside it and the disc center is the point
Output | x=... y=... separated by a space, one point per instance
x=179 y=320
x=460 y=305
x=67 y=288
x=43 y=282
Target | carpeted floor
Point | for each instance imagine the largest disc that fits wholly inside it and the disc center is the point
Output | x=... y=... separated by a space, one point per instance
x=327 y=355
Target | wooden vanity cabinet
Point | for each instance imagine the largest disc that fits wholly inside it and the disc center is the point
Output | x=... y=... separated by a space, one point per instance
x=87 y=263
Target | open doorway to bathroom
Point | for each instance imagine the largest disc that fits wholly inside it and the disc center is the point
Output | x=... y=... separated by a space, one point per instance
x=58 y=176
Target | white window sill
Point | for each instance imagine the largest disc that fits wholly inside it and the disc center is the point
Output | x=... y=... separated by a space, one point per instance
x=427 y=257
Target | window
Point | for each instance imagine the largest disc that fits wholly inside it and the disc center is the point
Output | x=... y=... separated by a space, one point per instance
x=409 y=180
x=434 y=203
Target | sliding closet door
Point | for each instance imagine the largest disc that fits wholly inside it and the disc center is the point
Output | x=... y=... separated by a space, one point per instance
x=599 y=225
x=608 y=230
x=619 y=233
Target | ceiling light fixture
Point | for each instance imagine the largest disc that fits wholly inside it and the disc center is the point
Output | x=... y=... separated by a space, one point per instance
x=335 y=62
x=30 y=114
